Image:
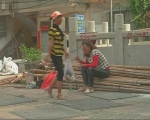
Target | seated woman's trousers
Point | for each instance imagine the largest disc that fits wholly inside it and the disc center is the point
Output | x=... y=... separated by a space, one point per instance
x=88 y=75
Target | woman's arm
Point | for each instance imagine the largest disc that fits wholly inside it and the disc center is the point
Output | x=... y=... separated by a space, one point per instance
x=82 y=62
x=94 y=63
x=50 y=46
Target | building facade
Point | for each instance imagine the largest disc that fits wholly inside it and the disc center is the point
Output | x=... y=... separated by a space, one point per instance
x=26 y=21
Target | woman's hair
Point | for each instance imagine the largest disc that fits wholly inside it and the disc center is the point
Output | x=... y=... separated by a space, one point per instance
x=89 y=44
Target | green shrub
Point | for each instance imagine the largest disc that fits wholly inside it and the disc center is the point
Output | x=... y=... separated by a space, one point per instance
x=30 y=54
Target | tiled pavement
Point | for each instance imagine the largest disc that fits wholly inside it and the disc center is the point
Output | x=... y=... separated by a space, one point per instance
x=21 y=103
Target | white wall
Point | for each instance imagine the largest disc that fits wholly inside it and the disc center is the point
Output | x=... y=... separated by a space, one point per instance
x=5 y=40
x=97 y=13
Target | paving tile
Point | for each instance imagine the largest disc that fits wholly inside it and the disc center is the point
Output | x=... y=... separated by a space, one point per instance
x=48 y=112
x=12 y=100
x=117 y=113
x=89 y=103
x=142 y=98
x=111 y=95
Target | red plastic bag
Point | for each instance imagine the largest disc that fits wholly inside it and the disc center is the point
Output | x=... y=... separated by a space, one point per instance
x=48 y=80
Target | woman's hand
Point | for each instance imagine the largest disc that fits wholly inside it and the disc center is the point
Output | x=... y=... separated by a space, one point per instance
x=47 y=58
x=82 y=65
x=77 y=58
x=67 y=54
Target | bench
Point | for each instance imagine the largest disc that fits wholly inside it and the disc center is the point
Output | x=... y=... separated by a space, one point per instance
x=122 y=79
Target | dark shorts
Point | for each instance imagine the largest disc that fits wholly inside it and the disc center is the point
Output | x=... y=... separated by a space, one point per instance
x=58 y=62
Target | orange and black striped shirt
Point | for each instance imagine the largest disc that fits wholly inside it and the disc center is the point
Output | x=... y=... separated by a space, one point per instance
x=57 y=35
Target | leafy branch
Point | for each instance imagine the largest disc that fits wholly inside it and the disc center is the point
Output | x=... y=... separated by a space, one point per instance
x=31 y=54
x=138 y=9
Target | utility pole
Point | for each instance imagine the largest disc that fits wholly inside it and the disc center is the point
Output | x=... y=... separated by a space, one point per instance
x=111 y=16
x=13 y=8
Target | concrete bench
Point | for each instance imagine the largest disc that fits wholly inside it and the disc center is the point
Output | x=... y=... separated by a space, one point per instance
x=122 y=78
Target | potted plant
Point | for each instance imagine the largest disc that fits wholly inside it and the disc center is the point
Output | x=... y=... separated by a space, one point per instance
x=31 y=56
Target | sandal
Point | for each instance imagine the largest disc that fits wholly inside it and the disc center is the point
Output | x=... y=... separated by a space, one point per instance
x=89 y=91
x=82 y=89
x=61 y=97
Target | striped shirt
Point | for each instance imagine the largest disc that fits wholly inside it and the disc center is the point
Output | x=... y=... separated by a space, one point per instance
x=102 y=61
x=57 y=35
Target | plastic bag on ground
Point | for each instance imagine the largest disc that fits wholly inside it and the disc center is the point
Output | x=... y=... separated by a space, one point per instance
x=9 y=67
x=68 y=71
x=1 y=65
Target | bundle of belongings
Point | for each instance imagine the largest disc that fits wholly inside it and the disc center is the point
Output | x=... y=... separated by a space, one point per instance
x=8 y=67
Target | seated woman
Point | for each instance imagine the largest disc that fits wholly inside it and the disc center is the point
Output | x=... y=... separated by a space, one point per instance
x=96 y=65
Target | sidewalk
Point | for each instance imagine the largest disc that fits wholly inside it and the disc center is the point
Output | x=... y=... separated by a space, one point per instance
x=22 y=103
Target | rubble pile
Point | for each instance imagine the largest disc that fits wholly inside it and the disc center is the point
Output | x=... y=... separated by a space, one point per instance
x=11 y=79
x=10 y=74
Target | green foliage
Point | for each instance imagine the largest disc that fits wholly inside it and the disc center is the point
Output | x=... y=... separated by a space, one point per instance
x=31 y=54
x=137 y=8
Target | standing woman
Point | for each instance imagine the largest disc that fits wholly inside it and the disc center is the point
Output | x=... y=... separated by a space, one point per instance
x=96 y=65
x=56 y=50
